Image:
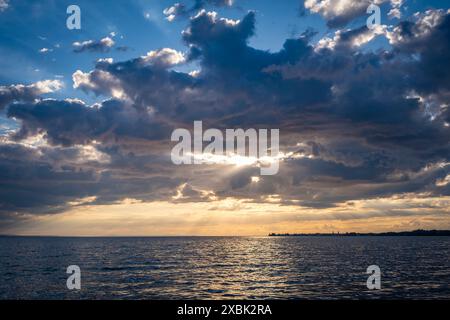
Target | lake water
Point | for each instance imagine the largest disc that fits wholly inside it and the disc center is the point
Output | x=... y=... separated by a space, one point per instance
x=225 y=267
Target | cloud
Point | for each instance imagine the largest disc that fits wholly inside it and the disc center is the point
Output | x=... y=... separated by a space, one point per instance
x=357 y=124
x=56 y=178
x=97 y=81
x=20 y=92
x=339 y=13
x=174 y=11
x=351 y=38
x=164 y=58
x=414 y=33
x=71 y=122
x=395 y=12
x=413 y=38
x=179 y=10
x=45 y=50
x=443 y=182
x=4 y=4
x=102 y=45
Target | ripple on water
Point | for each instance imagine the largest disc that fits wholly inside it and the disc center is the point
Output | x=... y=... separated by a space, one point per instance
x=225 y=267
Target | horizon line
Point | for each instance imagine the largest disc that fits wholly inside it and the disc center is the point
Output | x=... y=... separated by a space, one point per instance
x=333 y=233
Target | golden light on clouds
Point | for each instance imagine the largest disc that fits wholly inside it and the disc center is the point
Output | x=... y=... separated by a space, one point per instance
x=232 y=216
x=255 y=179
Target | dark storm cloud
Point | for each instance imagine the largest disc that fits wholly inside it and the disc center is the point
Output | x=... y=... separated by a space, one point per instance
x=429 y=38
x=71 y=122
x=229 y=65
x=31 y=184
x=51 y=180
x=222 y=46
x=360 y=124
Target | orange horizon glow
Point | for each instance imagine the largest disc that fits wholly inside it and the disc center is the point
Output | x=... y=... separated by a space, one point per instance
x=235 y=217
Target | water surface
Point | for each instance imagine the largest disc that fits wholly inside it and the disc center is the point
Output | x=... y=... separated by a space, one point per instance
x=225 y=267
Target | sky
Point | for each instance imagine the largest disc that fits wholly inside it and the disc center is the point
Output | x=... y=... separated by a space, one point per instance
x=86 y=116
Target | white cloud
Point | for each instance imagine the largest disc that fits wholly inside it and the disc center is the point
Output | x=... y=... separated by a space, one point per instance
x=45 y=50
x=90 y=45
x=173 y=11
x=355 y=41
x=3 y=5
x=194 y=73
x=344 y=10
x=394 y=13
x=164 y=57
x=395 y=10
x=48 y=86
x=340 y=12
x=443 y=182
x=105 y=60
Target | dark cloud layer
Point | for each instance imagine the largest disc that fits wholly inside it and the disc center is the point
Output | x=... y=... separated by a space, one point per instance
x=358 y=124
x=71 y=122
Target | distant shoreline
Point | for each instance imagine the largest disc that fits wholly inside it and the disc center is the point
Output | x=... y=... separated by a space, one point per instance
x=337 y=234
x=420 y=233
